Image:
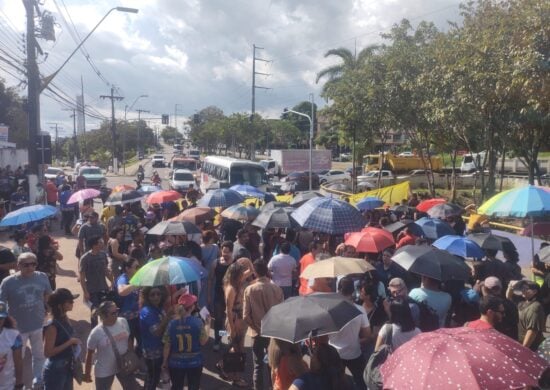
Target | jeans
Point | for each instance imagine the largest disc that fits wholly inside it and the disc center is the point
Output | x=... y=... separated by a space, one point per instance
x=128 y=382
x=287 y=291
x=356 y=367
x=37 y=350
x=219 y=318
x=153 y=373
x=67 y=219
x=177 y=376
x=58 y=375
x=259 y=350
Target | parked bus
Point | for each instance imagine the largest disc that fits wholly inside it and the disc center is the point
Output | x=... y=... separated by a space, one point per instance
x=224 y=172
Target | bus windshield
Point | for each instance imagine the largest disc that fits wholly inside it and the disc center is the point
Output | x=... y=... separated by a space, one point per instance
x=185 y=164
x=254 y=176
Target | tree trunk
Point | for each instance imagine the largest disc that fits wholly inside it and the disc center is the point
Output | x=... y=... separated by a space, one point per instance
x=453 y=176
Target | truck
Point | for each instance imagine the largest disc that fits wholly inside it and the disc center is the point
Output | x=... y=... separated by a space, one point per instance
x=400 y=164
x=472 y=162
x=284 y=161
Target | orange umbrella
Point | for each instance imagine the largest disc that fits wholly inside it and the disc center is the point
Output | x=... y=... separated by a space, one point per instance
x=123 y=187
x=163 y=196
x=427 y=204
x=196 y=215
x=372 y=241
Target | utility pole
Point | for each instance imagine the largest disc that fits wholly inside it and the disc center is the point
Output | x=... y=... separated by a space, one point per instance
x=75 y=139
x=113 y=122
x=139 y=111
x=56 y=128
x=83 y=116
x=254 y=87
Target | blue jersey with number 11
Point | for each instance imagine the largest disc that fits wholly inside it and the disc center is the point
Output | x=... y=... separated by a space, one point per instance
x=184 y=336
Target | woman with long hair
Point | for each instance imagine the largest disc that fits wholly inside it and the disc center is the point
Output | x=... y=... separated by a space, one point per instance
x=47 y=257
x=60 y=344
x=115 y=249
x=286 y=363
x=99 y=343
x=401 y=325
x=11 y=347
x=152 y=322
x=129 y=299
x=326 y=371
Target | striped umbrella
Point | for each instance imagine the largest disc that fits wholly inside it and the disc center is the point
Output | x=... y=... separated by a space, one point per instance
x=220 y=198
x=168 y=271
x=529 y=201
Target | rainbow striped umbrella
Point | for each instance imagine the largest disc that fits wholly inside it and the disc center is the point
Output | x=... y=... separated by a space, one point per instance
x=529 y=201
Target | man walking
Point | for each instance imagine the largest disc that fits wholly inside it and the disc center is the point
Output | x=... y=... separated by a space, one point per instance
x=89 y=230
x=259 y=297
x=283 y=269
x=26 y=292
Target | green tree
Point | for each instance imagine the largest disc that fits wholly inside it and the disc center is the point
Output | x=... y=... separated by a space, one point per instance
x=170 y=134
x=13 y=115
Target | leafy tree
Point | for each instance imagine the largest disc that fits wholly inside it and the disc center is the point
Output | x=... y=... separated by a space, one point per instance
x=170 y=134
x=13 y=115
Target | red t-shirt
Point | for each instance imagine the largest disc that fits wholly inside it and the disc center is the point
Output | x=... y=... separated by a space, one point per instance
x=305 y=262
x=479 y=325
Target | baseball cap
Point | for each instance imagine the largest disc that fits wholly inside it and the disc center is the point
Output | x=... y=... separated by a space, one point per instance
x=187 y=300
x=3 y=309
x=60 y=296
x=492 y=282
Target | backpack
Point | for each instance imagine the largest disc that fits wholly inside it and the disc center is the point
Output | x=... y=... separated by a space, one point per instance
x=371 y=374
x=429 y=320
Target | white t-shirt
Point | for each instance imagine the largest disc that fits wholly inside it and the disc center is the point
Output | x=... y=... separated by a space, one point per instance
x=346 y=341
x=105 y=361
x=281 y=267
x=8 y=340
x=398 y=336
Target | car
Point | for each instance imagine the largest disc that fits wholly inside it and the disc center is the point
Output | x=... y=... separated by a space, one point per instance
x=300 y=180
x=181 y=180
x=345 y=157
x=158 y=161
x=334 y=175
x=195 y=154
x=406 y=154
x=51 y=173
x=358 y=170
x=94 y=177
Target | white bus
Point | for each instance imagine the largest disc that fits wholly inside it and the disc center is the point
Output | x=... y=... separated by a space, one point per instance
x=224 y=172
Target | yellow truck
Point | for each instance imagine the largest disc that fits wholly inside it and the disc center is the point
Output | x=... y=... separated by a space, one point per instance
x=400 y=163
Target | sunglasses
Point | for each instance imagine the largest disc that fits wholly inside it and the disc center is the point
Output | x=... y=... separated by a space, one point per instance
x=26 y=265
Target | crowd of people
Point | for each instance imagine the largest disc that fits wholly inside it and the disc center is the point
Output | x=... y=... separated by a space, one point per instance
x=248 y=271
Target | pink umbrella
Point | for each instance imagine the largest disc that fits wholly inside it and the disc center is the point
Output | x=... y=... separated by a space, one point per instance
x=86 y=193
x=462 y=358
x=163 y=196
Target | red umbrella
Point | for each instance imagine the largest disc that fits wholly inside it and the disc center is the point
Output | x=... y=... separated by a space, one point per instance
x=196 y=215
x=372 y=240
x=462 y=358
x=427 y=204
x=163 y=196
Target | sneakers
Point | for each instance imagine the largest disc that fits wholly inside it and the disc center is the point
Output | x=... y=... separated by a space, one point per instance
x=216 y=347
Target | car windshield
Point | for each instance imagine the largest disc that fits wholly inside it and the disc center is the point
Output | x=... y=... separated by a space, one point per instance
x=183 y=176
x=158 y=157
x=91 y=171
x=184 y=164
x=52 y=171
x=254 y=176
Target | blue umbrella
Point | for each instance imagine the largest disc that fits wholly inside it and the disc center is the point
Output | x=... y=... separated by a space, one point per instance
x=28 y=214
x=148 y=189
x=460 y=246
x=434 y=228
x=369 y=203
x=248 y=191
x=328 y=215
x=220 y=198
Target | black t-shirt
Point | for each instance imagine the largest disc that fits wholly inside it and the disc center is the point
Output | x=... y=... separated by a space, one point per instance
x=6 y=257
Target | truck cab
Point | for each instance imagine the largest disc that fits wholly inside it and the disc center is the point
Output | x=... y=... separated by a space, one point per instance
x=271 y=167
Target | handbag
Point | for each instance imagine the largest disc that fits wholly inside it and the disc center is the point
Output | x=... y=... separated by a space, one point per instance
x=76 y=362
x=371 y=374
x=127 y=363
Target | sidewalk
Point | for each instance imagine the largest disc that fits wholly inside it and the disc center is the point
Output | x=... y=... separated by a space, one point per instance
x=131 y=170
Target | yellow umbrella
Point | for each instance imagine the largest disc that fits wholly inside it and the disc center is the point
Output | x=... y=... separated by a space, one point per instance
x=336 y=266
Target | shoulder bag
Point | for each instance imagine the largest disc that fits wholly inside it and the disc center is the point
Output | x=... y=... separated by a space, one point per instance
x=76 y=361
x=128 y=363
x=372 y=375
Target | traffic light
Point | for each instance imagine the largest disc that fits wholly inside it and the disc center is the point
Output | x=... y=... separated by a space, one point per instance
x=165 y=119
x=44 y=149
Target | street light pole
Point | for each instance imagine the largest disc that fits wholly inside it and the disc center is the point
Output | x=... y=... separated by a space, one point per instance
x=126 y=109
x=286 y=110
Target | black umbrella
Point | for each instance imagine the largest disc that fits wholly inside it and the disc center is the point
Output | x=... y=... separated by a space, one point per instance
x=278 y=218
x=492 y=241
x=300 y=318
x=173 y=228
x=400 y=225
x=303 y=197
x=431 y=262
x=274 y=205
x=124 y=197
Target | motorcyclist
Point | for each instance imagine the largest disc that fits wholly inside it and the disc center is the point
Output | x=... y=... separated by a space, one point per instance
x=140 y=174
x=155 y=179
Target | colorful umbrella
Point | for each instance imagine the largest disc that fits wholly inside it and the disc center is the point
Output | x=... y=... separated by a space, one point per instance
x=427 y=204
x=371 y=242
x=173 y=228
x=196 y=215
x=277 y=218
x=434 y=228
x=445 y=210
x=529 y=201
x=123 y=187
x=123 y=197
x=248 y=191
x=28 y=214
x=163 y=196
x=459 y=246
x=240 y=212
x=369 y=203
x=220 y=198
x=86 y=193
x=431 y=262
x=462 y=358
x=328 y=215
x=167 y=271
x=308 y=316
x=336 y=266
